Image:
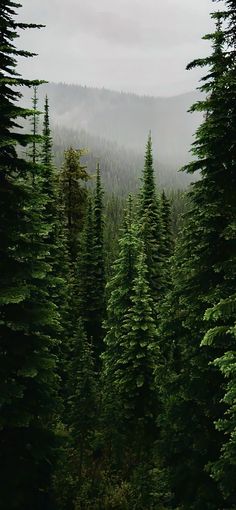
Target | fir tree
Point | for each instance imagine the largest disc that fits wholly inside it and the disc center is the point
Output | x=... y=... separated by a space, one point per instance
x=91 y=278
x=119 y=291
x=167 y=240
x=204 y=275
x=83 y=398
x=99 y=276
x=34 y=153
x=58 y=256
x=151 y=227
x=85 y=284
x=28 y=317
x=222 y=319
x=130 y=398
x=135 y=368
x=46 y=156
x=74 y=194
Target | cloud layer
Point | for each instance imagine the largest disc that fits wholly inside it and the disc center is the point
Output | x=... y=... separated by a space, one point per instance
x=132 y=45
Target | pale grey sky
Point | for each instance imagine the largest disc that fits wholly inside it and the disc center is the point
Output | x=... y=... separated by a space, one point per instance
x=139 y=46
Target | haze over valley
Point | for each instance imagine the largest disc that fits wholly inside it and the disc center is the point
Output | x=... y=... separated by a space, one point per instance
x=114 y=127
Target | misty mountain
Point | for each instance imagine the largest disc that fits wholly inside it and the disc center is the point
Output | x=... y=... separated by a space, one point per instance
x=114 y=127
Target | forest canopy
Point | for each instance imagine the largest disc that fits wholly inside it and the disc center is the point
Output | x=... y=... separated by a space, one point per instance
x=117 y=309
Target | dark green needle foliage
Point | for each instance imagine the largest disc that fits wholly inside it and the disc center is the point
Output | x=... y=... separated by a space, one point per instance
x=85 y=283
x=74 y=193
x=119 y=291
x=82 y=411
x=58 y=256
x=33 y=153
x=140 y=387
x=46 y=157
x=167 y=240
x=91 y=278
x=221 y=318
x=54 y=215
x=151 y=224
x=99 y=277
x=204 y=275
x=129 y=371
x=134 y=374
x=28 y=317
x=83 y=389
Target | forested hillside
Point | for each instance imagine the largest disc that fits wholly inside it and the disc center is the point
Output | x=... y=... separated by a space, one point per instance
x=126 y=118
x=114 y=126
x=117 y=296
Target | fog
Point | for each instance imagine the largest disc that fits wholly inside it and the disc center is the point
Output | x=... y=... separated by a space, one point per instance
x=130 y=45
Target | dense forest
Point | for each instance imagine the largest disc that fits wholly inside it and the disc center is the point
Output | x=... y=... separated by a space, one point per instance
x=114 y=126
x=117 y=304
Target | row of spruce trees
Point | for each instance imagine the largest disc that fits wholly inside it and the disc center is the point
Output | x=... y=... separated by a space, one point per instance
x=117 y=386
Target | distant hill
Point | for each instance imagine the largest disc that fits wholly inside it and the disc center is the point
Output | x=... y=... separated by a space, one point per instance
x=114 y=126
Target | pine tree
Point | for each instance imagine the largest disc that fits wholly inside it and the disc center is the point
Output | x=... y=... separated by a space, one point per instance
x=85 y=284
x=83 y=400
x=90 y=276
x=54 y=212
x=128 y=291
x=34 y=152
x=99 y=276
x=135 y=368
x=74 y=195
x=28 y=316
x=130 y=398
x=58 y=256
x=204 y=275
x=222 y=320
x=151 y=227
x=119 y=290
x=46 y=156
x=221 y=317
x=167 y=240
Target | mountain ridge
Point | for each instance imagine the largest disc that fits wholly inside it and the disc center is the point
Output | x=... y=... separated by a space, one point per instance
x=123 y=120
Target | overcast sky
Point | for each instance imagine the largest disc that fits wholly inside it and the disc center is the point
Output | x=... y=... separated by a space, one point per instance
x=139 y=46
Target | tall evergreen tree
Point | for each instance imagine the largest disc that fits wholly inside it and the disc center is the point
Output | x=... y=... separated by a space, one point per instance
x=221 y=317
x=85 y=285
x=119 y=291
x=223 y=326
x=83 y=402
x=151 y=225
x=91 y=278
x=135 y=367
x=34 y=152
x=74 y=193
x=46 y=156
x=130 y=397
x=167 y=240
x=99 y=276
x=58 y=256
x=204 y=275
x=28 y=316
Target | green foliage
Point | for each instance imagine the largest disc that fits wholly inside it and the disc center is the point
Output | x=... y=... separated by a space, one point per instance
x=151 y=225
x=28 y=316
x=167 y=240
x=73 y=176
x=222 y=320
x=203 y=275
x=130 y=398
x=144 y=419
x=91 y=277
